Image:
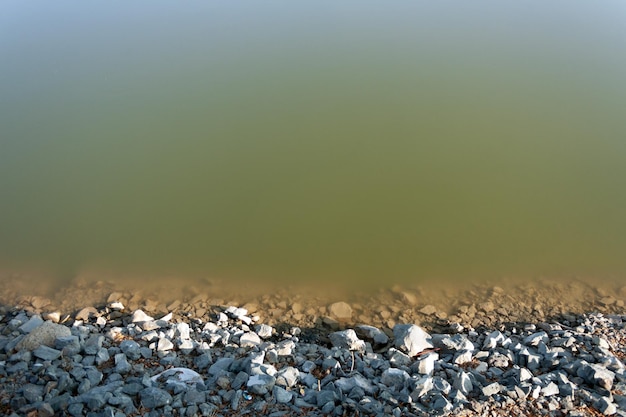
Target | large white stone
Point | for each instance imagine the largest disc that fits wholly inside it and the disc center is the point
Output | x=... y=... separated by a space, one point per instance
x=139 y=316
x=411 y=338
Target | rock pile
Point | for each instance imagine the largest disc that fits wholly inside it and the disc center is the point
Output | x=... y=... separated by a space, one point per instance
x=110 y=362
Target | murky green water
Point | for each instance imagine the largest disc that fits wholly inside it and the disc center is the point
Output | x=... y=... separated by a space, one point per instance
x=354 y=141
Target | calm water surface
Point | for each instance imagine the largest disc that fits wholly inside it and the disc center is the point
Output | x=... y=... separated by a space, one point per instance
x=358 y=142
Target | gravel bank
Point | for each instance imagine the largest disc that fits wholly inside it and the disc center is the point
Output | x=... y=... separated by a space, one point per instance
x=208 y=358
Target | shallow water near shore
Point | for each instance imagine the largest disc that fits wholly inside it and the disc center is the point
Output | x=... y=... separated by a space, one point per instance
x=333 y=148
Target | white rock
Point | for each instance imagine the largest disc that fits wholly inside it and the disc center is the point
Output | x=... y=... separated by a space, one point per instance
x=166 y=318
x=54 y=317
x=186 y=346
x=210 y=327
x=426 y=363
x=116 y=306
x=285 y=347
x=183 y=330
x=535 y=338
x=264 y=331
x=411 y=338
x=287 y=377
x=491 y=389
x=550 y=389
x=139 y=316
x=181 y=375
x=249 y=339
x=524 y=374
x=262 y=369
x=114 y=333
x=347 y=339
x=164 y=345
x=149 y=325
x=492 y=340
x=463 y=357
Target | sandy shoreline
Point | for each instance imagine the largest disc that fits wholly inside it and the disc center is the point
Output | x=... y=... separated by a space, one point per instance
x=434 y=306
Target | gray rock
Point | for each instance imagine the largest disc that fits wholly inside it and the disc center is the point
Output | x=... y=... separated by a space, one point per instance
x=240 y=380
x=463 y=383
x=153 y=397
x=606 y=406
x=596 y=374
x=69 y=345
x=46 y=334
x=220 y=365
x=422 y=387
x=376 y=336
x=33 y=393
x=193 y=396
x=452 y=343
x=46 y=353
x=397 y=358
x=93 y=344
x=348 y=384
x=97 y=397
x=323 y=397
x=121 y=364
x=440 y=403
x=411 y=338
x=102 y=356
x=44 y=410
x=347 y=339
x=131 y=349
x=34 y=322
x=261 y=384
x=202 y=361
x=308 y=366
x=394 y=377
x=75 y=409
x=282 y=395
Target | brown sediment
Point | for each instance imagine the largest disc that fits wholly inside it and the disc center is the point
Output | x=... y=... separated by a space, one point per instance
x=434 y=305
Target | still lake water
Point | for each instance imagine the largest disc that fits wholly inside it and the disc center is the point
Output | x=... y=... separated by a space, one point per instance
x=355 y=142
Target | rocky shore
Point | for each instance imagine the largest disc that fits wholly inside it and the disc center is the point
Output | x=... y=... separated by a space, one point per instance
x=203 y=357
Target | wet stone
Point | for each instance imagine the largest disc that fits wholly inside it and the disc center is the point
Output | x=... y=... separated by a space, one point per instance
x=340 y=311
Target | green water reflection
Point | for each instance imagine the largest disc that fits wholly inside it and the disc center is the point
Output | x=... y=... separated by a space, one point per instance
x=341 y=140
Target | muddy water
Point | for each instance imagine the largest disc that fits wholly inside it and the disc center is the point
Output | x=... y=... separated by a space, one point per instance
x=352 y=144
